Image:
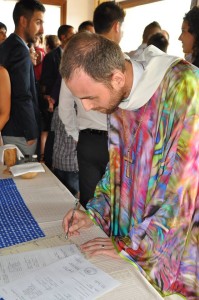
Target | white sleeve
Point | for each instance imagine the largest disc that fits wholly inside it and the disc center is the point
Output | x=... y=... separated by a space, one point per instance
x=67 y=111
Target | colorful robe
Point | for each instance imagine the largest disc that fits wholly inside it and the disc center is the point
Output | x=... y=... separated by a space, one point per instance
x=153 y=216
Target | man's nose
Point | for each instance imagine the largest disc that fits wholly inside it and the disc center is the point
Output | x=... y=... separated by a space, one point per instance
x=87 y=104
x=41 y=30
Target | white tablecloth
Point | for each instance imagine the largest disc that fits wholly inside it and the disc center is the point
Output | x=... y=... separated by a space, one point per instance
x=48 y=201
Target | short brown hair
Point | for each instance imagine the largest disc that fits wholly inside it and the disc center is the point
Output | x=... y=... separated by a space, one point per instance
x=94 y=54
x=26 y=8
x=105 y=15
x=148 y=29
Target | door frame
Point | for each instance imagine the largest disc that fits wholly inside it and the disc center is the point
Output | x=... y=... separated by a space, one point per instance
x=131 y=3
x=63 y=8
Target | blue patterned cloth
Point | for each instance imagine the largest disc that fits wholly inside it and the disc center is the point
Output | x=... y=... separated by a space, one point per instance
x=17 y=224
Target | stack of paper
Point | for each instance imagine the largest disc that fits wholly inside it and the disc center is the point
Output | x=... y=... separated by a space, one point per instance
x=54 y=273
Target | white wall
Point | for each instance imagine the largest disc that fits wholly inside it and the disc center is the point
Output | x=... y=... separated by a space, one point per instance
x=79 y=11
x=52 y=13
x=6 y=9
x=169 y=13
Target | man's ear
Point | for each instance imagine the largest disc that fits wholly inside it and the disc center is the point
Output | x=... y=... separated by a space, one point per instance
x=62 y=37
x=23 y=22
x=116 y=26
x=118 y=80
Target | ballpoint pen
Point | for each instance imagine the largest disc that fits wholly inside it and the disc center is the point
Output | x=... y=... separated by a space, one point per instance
x=72 y=216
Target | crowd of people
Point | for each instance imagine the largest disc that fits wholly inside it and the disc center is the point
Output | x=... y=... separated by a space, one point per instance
x=119 y=130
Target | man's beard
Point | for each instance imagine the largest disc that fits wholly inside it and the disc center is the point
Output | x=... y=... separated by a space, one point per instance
x=113 y=104
x=31 y=39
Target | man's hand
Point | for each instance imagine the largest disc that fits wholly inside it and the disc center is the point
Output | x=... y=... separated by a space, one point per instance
x=51 y=102
x=100 y=246
x=80 y=220
x=31 y=142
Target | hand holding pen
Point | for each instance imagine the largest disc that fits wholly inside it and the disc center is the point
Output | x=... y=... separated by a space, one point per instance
x=82 y=220
x=72 y=217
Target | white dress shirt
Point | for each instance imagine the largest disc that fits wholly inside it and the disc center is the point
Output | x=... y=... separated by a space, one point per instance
x=83 y=119
x=136 y=53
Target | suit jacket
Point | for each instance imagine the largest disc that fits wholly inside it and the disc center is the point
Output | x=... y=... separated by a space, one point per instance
x=50 y=70
x=24 y=115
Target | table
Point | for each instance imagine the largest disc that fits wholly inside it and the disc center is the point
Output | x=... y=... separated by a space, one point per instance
x=49 y=200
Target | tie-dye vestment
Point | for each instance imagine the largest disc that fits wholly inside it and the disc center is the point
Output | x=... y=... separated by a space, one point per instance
x=153 y=216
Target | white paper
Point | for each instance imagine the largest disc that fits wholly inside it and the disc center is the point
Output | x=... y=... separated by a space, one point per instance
x=26 y=168
x=15 y=266
x=70 y=278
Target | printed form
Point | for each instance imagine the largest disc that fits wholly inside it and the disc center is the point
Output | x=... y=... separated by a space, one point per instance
x=15 y=266
x=70 y=278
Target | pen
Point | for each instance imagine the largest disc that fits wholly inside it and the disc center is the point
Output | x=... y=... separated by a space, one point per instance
x=72 y=216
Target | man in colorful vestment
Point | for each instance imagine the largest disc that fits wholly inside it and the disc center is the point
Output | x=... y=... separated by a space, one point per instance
x=147 y=202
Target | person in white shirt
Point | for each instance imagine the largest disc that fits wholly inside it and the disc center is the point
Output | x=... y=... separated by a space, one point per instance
x=149 y=30
x=89 y=129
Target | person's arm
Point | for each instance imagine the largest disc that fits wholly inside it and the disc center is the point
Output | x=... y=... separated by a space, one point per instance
x=172 y=201
x=67 y=111
x=79 y=220
x=26 y=105
x=40 y=55
x=25 y=109
x=99 y=208
x=48 y=75
x=171 y=207
x=101 y=200
x=54 y=95
x=5 y=97
x=98 y=212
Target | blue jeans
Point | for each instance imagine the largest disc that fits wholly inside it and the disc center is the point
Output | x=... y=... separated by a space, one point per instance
x=69 y=179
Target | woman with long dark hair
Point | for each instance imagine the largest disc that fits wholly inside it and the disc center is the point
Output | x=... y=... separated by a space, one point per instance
x=190 y=36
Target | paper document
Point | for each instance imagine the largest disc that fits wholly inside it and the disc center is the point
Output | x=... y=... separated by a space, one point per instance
x=70 y=278
x=26 y=168
x=15 y=266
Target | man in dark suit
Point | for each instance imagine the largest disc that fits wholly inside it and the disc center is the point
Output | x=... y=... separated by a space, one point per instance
x=50 y=86
x=22 y=129
x=50 y=69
